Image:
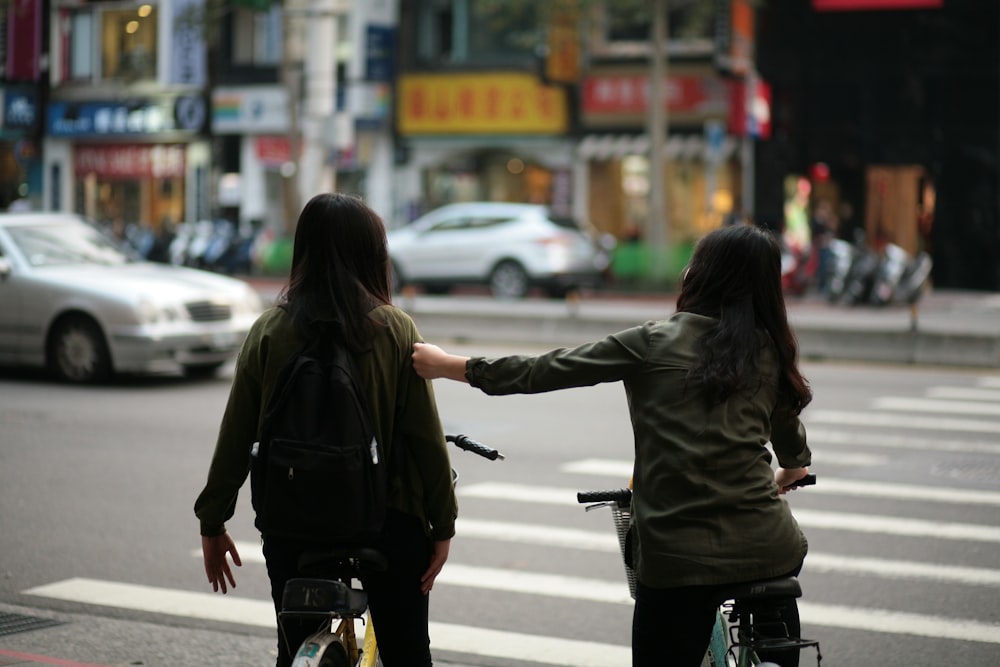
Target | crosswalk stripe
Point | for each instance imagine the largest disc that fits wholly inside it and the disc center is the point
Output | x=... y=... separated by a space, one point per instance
x=925 y=405
x=828 y=485
x=480 y=641
x=866 y=523
x=232 y=609
x=964 y=393
x=897 y=622
x=823 y=436
x=607 y=542
x=901 y=569
x=621 y=469
x=992 y=381
x=890 y=420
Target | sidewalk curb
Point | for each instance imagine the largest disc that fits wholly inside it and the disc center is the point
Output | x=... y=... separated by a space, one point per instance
x=950 y=328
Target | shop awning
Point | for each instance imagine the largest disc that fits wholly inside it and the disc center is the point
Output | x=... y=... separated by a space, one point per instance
x=691 y=147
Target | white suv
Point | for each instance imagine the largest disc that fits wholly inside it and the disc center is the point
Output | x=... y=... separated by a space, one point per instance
x=509 y=247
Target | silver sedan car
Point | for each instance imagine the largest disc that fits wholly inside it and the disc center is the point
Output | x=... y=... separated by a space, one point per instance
x=71 y=301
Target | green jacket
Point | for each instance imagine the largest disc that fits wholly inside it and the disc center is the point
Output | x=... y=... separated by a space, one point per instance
x=403 y=410
x=705 y=508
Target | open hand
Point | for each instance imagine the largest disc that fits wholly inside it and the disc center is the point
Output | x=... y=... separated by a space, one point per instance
x=213 y=551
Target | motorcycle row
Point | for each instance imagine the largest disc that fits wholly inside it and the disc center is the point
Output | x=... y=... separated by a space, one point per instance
x=859 y=274
x=213 y=245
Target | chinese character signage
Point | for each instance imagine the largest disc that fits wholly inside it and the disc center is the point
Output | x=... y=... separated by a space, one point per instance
x=90 y=119
x=187 y=62
x=620 y=97
x=480 y=104
x=138 y=161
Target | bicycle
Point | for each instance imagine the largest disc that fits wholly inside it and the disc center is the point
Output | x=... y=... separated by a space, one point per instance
x=327 y=594
x=746 y=619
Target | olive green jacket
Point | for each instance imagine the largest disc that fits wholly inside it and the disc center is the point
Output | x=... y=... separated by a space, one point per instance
x=402 y=407
x=705 y=507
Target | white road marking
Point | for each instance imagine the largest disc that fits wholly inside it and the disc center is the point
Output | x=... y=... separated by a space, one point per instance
x=480 y=641
x=232 y=609
x=607 y=542
x=891 y=420
x=619 y=469
x=964 y=393
x=925 y=405
x=896 y=441
x=865 y=523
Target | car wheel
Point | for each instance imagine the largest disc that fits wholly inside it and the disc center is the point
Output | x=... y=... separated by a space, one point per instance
x=509 y=281
x=78 y=351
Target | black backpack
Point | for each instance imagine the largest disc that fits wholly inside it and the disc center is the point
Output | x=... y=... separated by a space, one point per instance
x=317 y=473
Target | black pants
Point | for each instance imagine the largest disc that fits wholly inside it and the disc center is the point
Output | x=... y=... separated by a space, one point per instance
x=674 y=625
x=399 y=609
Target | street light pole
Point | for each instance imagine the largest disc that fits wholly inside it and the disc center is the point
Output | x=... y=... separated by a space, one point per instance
x=658 y=120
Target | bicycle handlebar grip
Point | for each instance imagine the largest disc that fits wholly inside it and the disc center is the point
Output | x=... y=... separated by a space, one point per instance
x=613 y=495
x=470 y=445
x=808 y=480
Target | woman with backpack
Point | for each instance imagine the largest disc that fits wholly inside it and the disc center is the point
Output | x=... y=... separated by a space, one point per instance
x=339 y=285
x=707 y=389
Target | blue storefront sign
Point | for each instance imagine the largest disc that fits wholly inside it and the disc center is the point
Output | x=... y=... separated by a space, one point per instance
x=89 y=119
x=19 y=110
x=379 y=48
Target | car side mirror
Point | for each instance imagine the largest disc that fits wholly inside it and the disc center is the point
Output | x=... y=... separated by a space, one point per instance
x=4 y=268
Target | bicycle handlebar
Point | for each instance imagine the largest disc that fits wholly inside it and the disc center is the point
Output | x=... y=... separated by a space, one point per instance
x=470 y=445
x=808 y=480
x=623 y=496
x=613 y=495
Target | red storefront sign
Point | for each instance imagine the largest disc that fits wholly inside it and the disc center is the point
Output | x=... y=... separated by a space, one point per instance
x=129 y=161
x=273 y=151
x=619 y=98
x=750 y=108
x=24 y=40
x=854 y=5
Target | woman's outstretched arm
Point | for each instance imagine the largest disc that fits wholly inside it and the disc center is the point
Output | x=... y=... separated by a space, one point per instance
x=431 y=362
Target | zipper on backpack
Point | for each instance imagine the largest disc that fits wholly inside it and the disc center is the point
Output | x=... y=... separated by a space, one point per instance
x=374 y=448
x=291 y=474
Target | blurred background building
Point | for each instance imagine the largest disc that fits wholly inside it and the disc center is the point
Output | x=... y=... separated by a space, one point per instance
x=157 y=113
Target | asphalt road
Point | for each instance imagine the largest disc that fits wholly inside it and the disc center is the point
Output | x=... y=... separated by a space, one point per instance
x=96 y=488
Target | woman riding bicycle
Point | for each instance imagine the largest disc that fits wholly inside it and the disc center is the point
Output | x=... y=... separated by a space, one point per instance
x=707 y=389
x=340 y=279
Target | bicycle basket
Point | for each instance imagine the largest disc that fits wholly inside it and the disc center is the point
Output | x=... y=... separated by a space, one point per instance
x=621 y=516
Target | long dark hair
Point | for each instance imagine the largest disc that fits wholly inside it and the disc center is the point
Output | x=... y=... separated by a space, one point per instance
x=340 y=268
x=735 y=276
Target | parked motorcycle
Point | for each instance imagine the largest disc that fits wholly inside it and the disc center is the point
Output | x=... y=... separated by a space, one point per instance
x=860 y=275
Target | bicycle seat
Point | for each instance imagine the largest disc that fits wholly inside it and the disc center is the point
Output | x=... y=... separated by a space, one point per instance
x=783 y=587
x=322 y=596
x=342 y=560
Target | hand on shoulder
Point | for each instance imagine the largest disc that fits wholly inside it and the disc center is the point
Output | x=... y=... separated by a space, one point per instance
x=431 y=362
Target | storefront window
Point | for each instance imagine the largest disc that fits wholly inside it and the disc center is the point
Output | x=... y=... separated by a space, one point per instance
x=476 y=32
x=122 y=185
x=81 y=45
x=494 y=176
x=128 y=43
x=108 y=43
x=623 y=27
x=258 y=36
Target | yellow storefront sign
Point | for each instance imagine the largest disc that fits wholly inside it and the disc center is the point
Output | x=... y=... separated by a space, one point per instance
x=480 y=104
